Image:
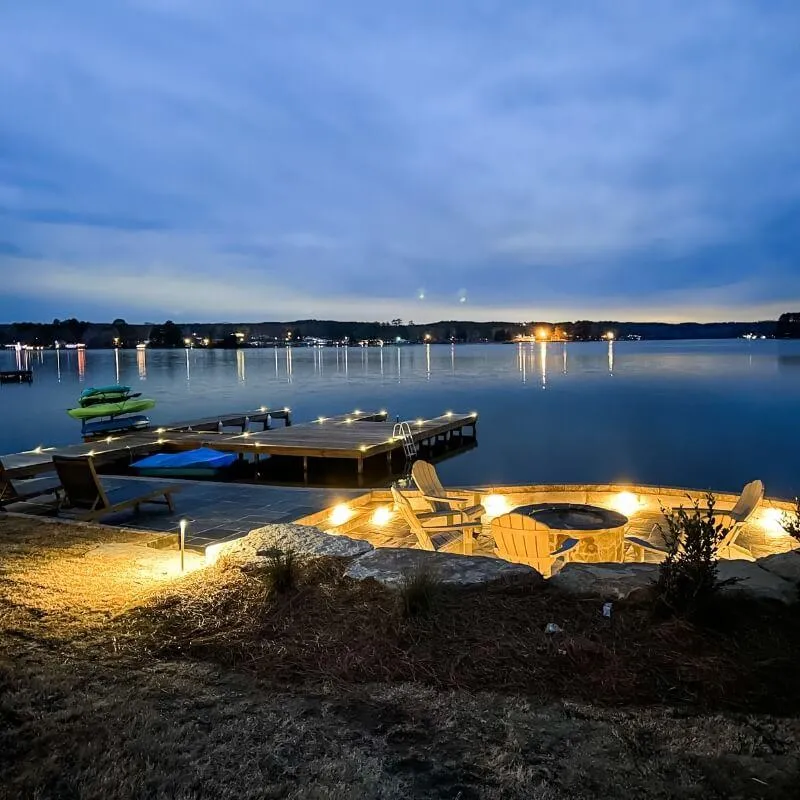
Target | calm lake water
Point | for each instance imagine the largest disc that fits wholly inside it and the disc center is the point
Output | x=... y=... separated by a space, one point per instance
x=701 y=414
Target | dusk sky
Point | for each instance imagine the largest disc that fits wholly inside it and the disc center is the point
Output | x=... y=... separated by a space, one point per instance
x=281 y=159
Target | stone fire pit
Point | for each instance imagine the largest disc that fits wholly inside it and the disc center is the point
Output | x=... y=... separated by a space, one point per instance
x=599 y=531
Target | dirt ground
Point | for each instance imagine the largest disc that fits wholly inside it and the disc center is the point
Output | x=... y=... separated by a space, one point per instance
x=89 y=709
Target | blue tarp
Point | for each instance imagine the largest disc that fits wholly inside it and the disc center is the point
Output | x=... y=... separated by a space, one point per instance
x=203 y=457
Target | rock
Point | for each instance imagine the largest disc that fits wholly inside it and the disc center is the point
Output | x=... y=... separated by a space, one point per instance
x=301 y=539
x=608 y=581
x=785 y=565
x=754 y=582
x=388 y=565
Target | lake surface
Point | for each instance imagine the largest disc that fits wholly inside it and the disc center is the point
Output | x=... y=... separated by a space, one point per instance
x=700 y=414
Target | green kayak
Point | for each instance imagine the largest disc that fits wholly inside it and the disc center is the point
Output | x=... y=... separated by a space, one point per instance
x=131 y=406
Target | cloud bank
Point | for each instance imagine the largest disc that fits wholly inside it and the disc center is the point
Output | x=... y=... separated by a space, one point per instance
x=293 y=159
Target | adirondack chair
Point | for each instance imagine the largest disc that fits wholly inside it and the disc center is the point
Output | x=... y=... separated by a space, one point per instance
x=518 y=539
x=85 y=490
x=14 y=491
x=734 y=519
x=439 y=499
x=437 y=531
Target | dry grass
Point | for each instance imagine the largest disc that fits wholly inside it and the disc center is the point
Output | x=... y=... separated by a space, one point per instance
x=216 y=686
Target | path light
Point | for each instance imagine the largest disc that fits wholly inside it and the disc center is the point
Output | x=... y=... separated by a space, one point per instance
x=495 y=505
x=626 y=503
x=183 y=525
x=340 y=514
x=381 y=515
x=770 y=519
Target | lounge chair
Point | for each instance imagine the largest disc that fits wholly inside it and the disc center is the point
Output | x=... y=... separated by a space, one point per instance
x=518 y=539
x=439 y=499
x=85 y=491
x=446 y=535
x=734 y=519
x=15 y=491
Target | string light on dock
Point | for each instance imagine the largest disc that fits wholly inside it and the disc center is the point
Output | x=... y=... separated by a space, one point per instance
x=419 y=422
x=37 y=449
x=448 y=413
x=357 y=411
x=262 y=409
x=363 y=448
x=348 y=420
x=321 y=420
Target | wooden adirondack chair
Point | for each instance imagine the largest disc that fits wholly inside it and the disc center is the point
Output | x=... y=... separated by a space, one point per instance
x=437 y=531
x=439 y=499
x=14 y=491
x=85 y=491
x=746 y=505
x=518 y=539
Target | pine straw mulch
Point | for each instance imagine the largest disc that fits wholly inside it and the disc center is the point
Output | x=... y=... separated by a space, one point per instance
x=330 y=629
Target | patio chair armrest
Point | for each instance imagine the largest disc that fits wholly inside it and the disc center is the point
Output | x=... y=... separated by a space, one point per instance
x=646 y=544
x=565 y=547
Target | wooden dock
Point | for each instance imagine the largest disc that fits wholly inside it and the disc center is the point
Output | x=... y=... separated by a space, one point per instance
x=242 y=420
x=358 y=436
x=16 y=376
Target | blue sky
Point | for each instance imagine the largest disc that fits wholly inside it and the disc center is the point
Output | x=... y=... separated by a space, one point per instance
x=277 y=159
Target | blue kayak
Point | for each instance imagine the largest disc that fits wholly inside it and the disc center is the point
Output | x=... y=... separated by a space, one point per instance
x=201 y=463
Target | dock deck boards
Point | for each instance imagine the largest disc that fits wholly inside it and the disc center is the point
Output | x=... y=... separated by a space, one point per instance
x=359 y=436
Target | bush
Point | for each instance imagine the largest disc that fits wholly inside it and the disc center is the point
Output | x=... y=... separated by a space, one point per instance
x=687 y=578
x=790 y=522
x=419 y=590
x=281 y=570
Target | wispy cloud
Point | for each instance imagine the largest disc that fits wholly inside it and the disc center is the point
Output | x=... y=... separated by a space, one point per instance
x=304 y=158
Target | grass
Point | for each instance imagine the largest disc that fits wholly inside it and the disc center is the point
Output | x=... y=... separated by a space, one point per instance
x=215 y=685
x=419 y=590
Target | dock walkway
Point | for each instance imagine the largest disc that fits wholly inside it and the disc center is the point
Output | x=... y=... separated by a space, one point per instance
x=357 y=436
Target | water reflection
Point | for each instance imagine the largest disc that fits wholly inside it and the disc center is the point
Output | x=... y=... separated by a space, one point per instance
x=664 y=395
x=81 y=365
x=543 y=362
x=116 y=365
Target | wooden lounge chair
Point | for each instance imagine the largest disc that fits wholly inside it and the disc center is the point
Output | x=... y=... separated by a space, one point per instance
x=518 y=539
x=14 y=491
x=444 y=534
x=85 y=491
x=439 y=499
x=734 y=519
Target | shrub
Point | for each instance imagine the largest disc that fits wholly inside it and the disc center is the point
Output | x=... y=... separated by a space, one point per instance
x=790 y=522
x=419 y=590
x=687 y=578
x=281 y=570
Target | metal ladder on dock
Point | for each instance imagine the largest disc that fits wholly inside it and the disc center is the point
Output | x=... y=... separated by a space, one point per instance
x=402 y=430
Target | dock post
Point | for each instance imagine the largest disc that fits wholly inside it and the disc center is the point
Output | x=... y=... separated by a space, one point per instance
x=305 y=468
x=361 y=465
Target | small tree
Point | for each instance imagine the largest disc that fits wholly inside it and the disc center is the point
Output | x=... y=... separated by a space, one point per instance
x=687 y=578
x=790 y=521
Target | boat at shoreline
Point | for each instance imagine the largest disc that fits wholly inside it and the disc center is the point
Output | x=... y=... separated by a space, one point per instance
x=132 y=405
x=200 y=463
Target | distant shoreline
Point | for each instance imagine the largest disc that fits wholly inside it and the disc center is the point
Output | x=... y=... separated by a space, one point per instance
x=119 y=333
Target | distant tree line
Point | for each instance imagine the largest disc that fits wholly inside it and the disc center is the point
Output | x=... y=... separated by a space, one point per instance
x=788 y=326
x=120 y=333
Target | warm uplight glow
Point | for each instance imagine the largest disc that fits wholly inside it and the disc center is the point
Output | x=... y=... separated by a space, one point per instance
x=770 y=520
x=381 y=515
x=626 y=503
x=340 y=514
x=495 y=505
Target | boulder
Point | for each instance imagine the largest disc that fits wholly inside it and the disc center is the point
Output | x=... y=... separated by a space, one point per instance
x=389 y=565
x=608 y=581
x=301 y=539
x=755 y=582
x=785 y=565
